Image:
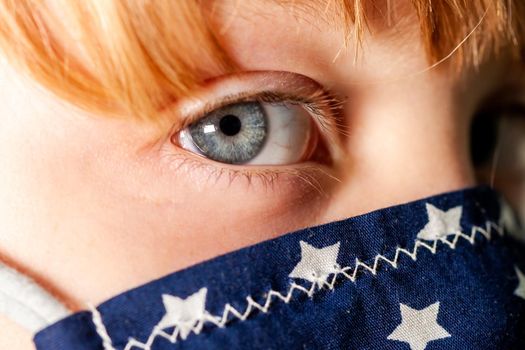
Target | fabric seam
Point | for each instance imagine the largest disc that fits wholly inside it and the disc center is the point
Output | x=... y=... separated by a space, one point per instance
x=349 y=273
x=102 y=332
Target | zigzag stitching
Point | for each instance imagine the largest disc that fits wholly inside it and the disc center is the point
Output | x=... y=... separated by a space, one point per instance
x=347 y=272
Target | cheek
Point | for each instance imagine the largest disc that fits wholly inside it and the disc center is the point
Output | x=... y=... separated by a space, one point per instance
x=81 y=199
x=174 y=226
x=406 y=140
x=175 y=218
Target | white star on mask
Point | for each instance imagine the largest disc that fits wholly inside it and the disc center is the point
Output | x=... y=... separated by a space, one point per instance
x=440 y=223
x=316 y=264
x=183 y=313
x=520 y=290
x=510 y=222
x=418 y=327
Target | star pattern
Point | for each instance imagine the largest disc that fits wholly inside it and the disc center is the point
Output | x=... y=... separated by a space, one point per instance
x=416 y=329
x=440 y=223
x=419 y=327
x=510 y=222
x=183 y=313
x=520 y=289
x=316 y=264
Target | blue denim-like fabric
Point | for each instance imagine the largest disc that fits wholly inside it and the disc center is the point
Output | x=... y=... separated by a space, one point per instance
x=474 y=284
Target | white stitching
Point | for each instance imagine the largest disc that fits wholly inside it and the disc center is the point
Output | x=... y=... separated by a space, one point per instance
x=348 y=272
x=100 y=328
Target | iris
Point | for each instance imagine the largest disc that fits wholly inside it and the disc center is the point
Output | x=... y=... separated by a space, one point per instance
x=233 y=134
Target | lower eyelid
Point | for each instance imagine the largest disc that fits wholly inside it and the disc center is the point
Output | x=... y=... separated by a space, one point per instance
x=219 y=176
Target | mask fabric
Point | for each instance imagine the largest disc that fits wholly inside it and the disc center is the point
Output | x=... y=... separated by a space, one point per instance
x=444 y=272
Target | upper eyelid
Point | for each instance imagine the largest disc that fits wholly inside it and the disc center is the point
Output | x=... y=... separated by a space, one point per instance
x=266 y=97
x=324 y=118
x=323 y=105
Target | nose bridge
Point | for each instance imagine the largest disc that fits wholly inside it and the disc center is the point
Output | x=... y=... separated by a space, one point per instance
x=405 y=141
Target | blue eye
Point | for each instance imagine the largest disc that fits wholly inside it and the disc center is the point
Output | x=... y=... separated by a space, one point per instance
x=251 y=133
x=234 y=134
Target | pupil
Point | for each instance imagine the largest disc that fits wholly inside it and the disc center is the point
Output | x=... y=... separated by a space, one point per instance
x=230 y=125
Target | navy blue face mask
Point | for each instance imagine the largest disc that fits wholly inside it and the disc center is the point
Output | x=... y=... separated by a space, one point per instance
x=439 y=273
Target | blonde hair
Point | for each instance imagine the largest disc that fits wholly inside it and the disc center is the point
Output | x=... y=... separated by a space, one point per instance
x=136 y=55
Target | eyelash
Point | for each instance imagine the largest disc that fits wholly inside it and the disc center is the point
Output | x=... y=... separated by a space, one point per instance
x=318 y=103
x=321 y=104
x=304 y=175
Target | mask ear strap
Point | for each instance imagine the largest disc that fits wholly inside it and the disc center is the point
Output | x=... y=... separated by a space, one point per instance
x=27 y=303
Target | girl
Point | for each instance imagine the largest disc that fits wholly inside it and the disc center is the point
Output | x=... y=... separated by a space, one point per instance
x=139 y=138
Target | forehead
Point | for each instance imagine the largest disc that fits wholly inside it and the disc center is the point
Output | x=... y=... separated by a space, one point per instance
x=313 y=36
x=467 y=33
x=340 y=17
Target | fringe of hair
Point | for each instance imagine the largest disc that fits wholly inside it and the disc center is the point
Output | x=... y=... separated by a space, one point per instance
x=136 y=55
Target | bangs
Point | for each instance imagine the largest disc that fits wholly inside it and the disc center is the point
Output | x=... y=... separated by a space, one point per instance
x=116 y=57
x=132 y=57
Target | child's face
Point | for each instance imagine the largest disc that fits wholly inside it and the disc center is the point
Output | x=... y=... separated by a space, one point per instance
x=122 y=206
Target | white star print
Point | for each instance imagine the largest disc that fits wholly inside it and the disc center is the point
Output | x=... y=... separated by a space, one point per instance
x=183 y=313
x=419 y=327
x=520 y=290
x=316 y=264
x=510 y=222
x=441 y=223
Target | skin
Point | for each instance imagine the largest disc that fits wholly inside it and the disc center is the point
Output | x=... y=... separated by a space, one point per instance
x=91 y=208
